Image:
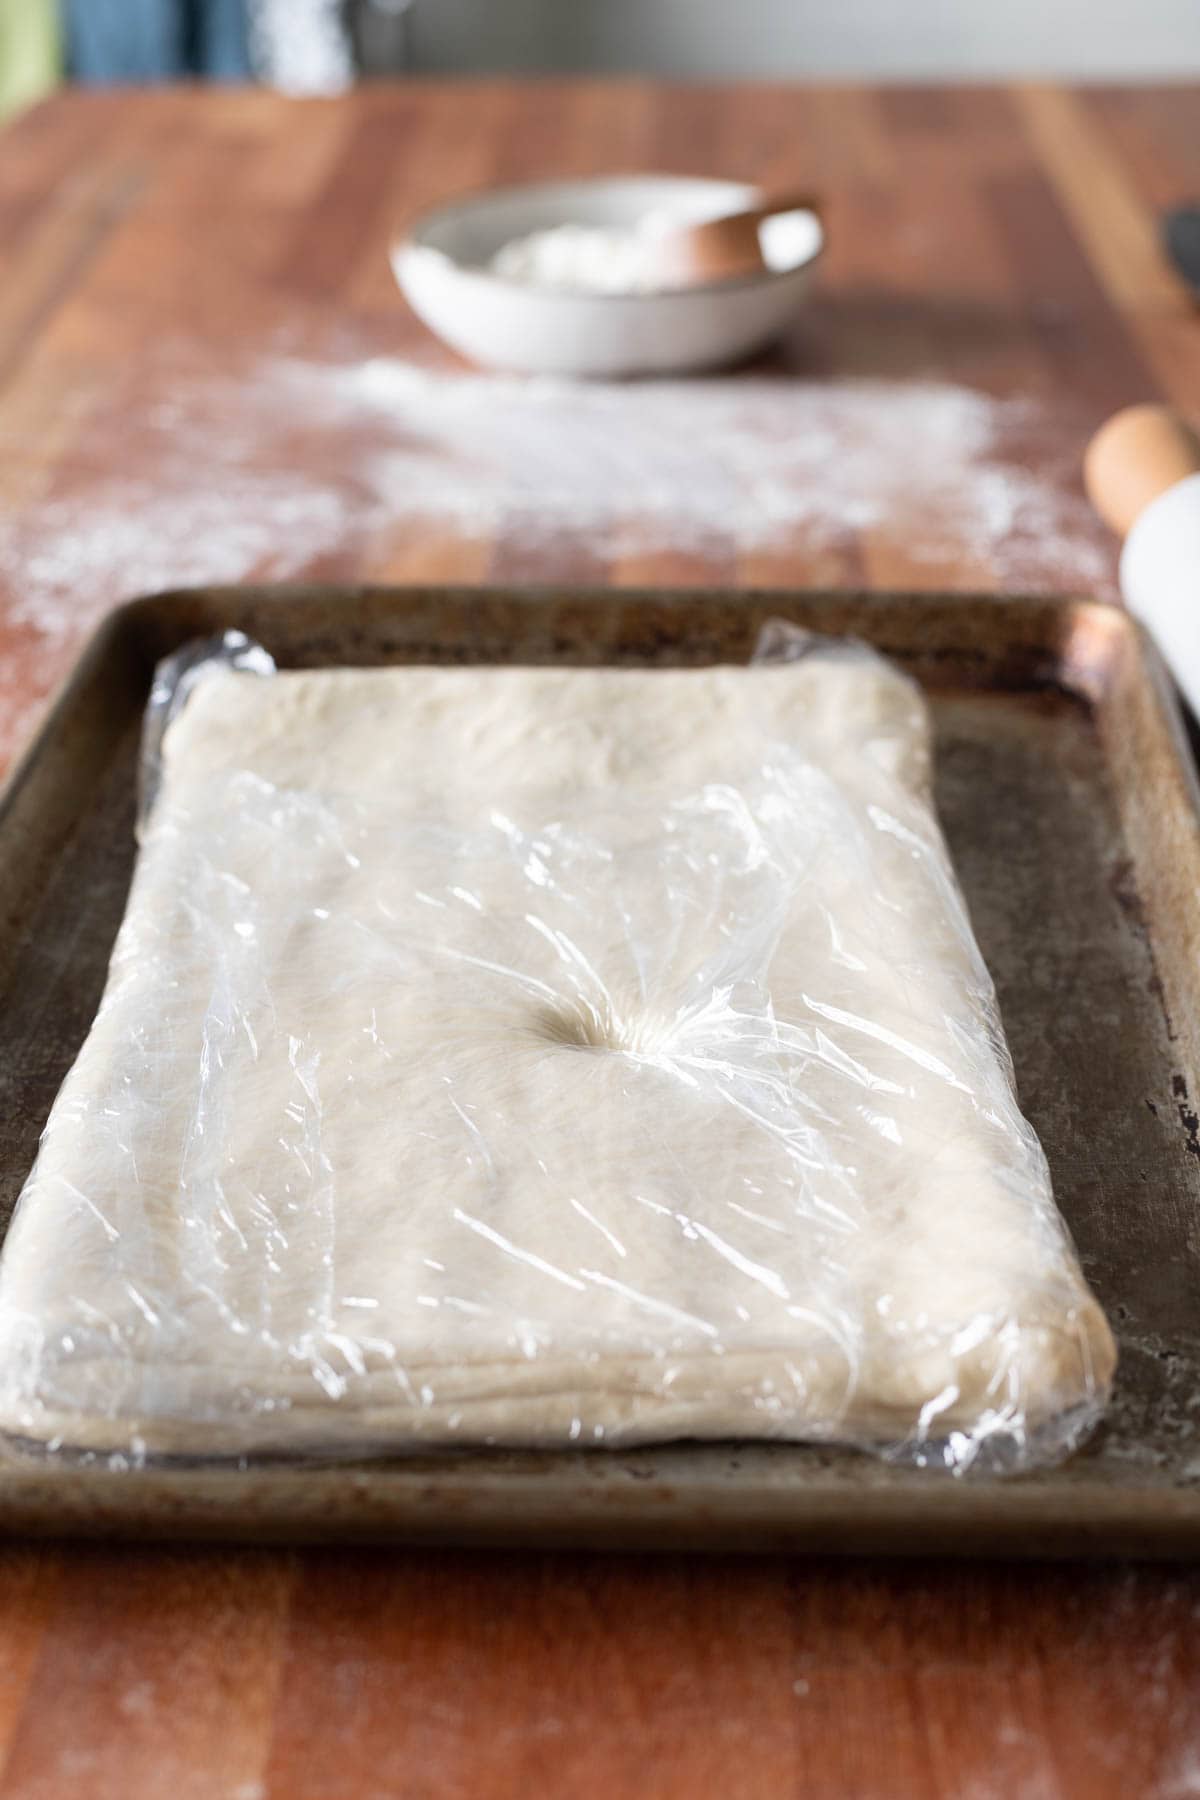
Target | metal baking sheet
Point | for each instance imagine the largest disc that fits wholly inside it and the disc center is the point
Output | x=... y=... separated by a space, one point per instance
x=1067 y=795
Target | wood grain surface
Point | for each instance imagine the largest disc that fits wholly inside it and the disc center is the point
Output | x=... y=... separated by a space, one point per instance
x=163 y=255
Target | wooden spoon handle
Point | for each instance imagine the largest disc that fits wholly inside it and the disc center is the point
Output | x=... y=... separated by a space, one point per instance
x=783 y=203
x=726 y=247
x=751 y=217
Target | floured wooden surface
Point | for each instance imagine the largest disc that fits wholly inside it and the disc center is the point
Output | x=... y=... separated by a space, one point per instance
x=277 y=465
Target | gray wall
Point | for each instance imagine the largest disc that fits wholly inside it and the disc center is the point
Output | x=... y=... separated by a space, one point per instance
x=872 y=39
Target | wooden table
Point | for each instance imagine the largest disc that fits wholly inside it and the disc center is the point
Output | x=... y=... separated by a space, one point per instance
x=159 y=252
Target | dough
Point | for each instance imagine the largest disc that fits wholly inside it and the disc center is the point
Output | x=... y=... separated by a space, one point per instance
x=543 y=1056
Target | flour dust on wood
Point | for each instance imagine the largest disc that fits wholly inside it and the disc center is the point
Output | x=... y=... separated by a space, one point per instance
x=289 y=466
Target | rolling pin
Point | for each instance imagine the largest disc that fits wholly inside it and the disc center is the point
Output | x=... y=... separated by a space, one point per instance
x=1142 y=472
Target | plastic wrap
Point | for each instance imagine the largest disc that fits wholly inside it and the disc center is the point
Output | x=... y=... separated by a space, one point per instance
x=544 y=1057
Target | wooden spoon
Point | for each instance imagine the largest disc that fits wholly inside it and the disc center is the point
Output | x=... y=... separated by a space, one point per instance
x=723 y=249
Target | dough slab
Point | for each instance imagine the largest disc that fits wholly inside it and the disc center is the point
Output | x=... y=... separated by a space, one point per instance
x=543 y=1057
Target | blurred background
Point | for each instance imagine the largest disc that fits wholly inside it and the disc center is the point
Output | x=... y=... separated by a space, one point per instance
x=316 y=46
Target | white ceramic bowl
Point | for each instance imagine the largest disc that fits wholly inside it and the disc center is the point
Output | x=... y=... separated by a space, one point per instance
x=442 y=268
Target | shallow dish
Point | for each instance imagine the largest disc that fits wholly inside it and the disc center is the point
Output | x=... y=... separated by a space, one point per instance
x=442 y=262
x=1071 y=818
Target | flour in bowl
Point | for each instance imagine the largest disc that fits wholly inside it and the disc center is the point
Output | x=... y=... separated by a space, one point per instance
x=586 y=259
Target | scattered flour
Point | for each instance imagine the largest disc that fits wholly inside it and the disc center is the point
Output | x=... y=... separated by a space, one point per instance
x=291 y=465
x=137 y=536
x=756 y=462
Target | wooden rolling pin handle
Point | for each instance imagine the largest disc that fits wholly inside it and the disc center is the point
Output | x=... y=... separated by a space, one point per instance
x=1142 y=471
x=1135 y=457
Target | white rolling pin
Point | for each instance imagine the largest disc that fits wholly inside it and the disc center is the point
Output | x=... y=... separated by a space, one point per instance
x=1142 y=472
